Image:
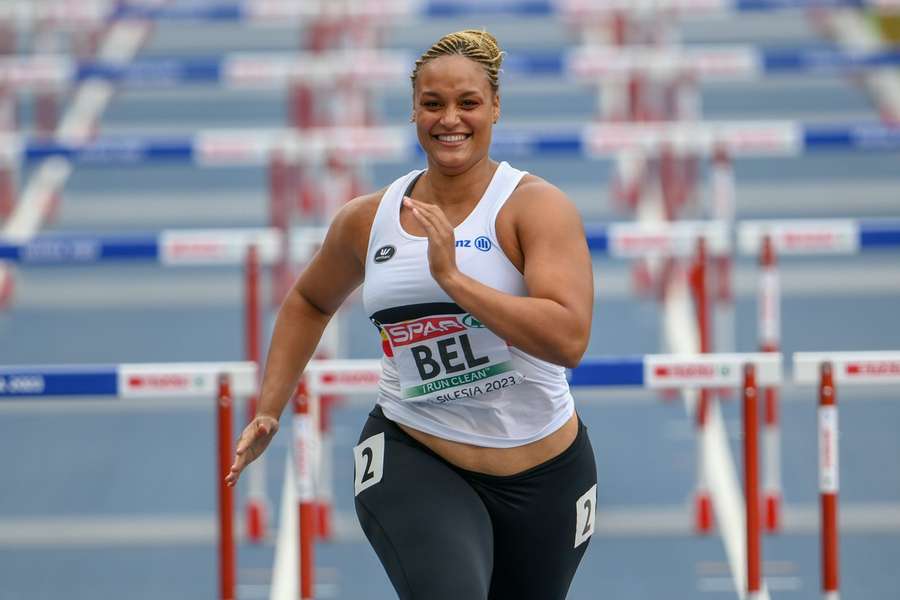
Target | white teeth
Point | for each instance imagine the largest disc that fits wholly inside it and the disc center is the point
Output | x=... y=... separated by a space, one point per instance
x=451 y=138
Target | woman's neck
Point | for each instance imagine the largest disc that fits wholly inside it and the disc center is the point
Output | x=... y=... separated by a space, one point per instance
x=459 y=188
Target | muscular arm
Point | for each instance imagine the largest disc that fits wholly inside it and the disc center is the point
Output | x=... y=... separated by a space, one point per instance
x=553 y=322
x=333 y=273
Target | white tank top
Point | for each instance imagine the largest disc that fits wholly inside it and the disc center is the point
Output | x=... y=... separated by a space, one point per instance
x=443 y=372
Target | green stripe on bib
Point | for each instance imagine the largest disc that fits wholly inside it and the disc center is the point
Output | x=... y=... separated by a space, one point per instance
x=447 y=383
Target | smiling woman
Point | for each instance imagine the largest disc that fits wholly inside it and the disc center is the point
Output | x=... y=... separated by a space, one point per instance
x=474 y=476
x=456 y=98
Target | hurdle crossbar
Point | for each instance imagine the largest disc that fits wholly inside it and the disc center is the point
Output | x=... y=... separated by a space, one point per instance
x=260 y=70
x=821 y=236
x=172 y=247
x=213 y=148
x=125 y=381
x=286 y=12
x=386 y=68
x=626 y=240
x=589 y=64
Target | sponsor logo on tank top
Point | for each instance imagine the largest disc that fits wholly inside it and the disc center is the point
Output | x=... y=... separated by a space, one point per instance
x=384 y=254
x=481 y=243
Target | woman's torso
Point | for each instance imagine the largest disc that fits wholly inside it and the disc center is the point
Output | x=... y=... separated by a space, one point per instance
x=519 y=413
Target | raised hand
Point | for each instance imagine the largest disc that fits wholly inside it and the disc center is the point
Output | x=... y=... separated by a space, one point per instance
x=441 y=239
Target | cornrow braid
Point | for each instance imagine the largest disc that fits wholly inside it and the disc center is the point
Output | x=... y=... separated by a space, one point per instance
x=478 y=45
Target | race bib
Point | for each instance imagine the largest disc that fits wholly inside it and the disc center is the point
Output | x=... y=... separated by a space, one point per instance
x=446 y=355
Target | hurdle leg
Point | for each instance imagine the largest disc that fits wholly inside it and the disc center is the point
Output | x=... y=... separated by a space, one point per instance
x=769 y=331
x=224 y=419
x=257 y=508
x=751 y=482
x=305 y=430
x=828 y=481
x=772 y=462
x=702 y=501
x=324 y=484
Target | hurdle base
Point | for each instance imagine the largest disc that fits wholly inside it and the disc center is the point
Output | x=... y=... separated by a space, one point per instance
x=257 y=521
x=324 y=521
x=703 y=514
x=772 y=512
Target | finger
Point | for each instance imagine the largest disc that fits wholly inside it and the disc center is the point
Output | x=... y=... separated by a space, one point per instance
x=430 y=230
x=234 y=472
x=433 y=212
x=434 y=229
x=439 y=217
x=244 y=443
x=240 y=461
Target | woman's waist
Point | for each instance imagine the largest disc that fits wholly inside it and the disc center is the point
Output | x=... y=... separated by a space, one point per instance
x=499 y=461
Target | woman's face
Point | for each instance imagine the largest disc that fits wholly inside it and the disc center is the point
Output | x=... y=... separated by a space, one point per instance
x=454 y=109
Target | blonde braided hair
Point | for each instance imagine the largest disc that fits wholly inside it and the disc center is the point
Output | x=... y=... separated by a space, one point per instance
x=477 y=45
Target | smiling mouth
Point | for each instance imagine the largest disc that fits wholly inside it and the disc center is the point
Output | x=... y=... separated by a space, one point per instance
x=452 y=138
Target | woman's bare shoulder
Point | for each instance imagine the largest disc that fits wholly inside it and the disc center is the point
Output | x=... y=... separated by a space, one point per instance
x=359 y=212
x=536 y=198
x=353 y=222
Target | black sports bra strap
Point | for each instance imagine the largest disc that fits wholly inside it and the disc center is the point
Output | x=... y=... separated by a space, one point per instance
x=412 y=184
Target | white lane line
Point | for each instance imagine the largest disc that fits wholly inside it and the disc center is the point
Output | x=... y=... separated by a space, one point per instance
x=856 y=32
x=76 y=125
x=285 y=578
x=857 y=518
x=726 y=585
x=121 y=43
x=107 y=531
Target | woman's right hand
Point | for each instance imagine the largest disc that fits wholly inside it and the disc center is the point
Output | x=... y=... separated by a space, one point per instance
x=253 y=442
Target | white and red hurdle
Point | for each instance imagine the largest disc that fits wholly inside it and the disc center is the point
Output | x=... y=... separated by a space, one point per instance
x=827 y=370
x=224 y=382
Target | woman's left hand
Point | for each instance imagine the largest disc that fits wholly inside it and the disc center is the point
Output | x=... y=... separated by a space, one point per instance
x=441 y=240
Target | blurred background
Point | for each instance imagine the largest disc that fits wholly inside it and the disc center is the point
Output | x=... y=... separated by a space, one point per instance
x=146 y=145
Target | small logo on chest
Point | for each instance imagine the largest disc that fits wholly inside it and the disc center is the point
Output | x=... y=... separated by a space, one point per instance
x=481 y=242
x=383 y=254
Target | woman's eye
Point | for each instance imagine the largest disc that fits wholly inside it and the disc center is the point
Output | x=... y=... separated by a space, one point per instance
x=430 y=104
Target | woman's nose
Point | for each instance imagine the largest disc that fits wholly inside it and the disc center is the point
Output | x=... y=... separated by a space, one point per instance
x=450 y=116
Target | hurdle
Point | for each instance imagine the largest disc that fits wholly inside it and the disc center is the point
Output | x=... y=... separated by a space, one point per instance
x=221 y=148
x=247 y=248
x=220 y=381
x=808 y=237
x=828 y=370
x=796 y=238
x=379 y=69
x=282 y=12
x=744 y=371
x=40 y=196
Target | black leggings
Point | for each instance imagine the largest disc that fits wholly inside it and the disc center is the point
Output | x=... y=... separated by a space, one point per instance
x=444 y=533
